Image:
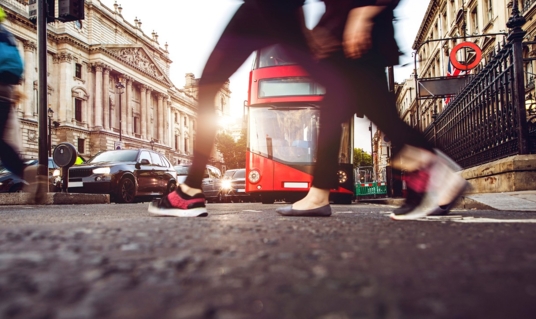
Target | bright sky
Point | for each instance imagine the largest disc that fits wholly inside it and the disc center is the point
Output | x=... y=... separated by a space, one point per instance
x=192 y=27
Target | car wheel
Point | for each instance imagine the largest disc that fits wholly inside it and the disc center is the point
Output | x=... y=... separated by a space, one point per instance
x=127 y=191
x=17 y=188
x=171 y=187
x=344 y=200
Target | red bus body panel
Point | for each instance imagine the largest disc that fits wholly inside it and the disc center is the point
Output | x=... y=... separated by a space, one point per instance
x=274 y=175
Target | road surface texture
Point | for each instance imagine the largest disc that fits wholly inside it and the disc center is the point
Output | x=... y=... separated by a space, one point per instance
x=245 y=261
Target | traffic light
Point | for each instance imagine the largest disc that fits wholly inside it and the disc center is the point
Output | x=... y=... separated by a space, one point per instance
x=70 y=10
x=50 y=6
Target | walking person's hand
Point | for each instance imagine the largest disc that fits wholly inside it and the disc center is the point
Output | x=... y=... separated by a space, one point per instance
x=357 y=36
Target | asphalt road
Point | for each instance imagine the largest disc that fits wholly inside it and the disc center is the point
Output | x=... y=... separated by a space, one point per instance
x=245 y=261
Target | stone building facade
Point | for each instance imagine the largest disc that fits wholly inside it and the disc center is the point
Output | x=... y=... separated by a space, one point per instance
x=86 y=60
x=481 y=21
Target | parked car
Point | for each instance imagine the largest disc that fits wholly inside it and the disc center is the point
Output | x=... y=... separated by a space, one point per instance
x=233 y=186
x=11 y=183
x=127 y=175
x=211 y=181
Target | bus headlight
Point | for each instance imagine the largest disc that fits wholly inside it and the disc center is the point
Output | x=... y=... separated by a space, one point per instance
x=343 y=177
x=254 y=176
x=226 y=184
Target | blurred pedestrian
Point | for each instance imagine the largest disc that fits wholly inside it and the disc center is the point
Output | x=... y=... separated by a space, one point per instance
x=355 y=42
x=256 y=24
x=11 y=70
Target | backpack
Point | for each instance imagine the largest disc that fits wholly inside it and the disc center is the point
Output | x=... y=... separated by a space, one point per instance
x=11 y=66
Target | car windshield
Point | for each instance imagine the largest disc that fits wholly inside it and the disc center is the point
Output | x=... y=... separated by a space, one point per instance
x=3 y=169
x=240 y=174
x=115 y=156
x=229 y=174
x=182 y=170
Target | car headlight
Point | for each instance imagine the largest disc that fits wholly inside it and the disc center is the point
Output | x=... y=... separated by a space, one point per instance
x=343 y=177
x=226 y=184
x=101 y=171
x=254 y=176
x=56 y=173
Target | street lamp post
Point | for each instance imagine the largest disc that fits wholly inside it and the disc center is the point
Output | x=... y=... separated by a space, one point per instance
x=120 y=90
x=50 y=114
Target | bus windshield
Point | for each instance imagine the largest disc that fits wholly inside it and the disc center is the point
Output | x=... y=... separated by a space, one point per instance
x=287 y=134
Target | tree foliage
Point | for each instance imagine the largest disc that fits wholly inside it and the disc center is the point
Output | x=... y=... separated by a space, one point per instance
x=361 y=158
x=234 y=153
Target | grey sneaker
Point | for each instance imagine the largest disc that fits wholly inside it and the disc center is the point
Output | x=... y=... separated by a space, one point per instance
x=444 y=187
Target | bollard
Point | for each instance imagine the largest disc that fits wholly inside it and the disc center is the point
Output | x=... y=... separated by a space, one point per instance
x=64 y=156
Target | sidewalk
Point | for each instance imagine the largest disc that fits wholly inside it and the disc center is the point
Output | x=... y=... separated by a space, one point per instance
x=513 y=201
x=56 y=199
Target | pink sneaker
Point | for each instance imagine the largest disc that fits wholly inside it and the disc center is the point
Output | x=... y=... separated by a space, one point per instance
x=178 y=204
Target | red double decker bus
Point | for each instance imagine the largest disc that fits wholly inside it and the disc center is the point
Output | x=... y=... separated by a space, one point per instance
x=283 y=123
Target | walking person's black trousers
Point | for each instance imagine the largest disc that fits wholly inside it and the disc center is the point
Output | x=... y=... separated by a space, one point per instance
x=251 y=28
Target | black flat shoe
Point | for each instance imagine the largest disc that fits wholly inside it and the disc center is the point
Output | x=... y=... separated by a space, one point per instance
x=324 y=211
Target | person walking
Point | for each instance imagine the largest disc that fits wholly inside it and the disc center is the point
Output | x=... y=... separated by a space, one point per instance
x=355 y=42
x=11 y=70
x=256 y=24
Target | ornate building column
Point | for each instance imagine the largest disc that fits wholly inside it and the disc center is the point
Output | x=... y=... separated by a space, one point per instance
x=99 y=97
x=89 y=109
x=149 y=123
x=129 y=130
x=30 y=48
x=106 y=90
x=143 y=112
x=66 y=105
x=181 y=130
x=160 y=115
x=191 y=132
x=169 y=139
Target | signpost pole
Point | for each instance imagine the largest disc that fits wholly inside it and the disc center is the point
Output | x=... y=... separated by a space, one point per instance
x=43 y=87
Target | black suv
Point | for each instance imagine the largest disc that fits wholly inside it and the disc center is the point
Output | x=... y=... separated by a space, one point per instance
x=126 y=175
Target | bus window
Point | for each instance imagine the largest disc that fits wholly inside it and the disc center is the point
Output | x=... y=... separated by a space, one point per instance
x=273 y=56
x=291 y=86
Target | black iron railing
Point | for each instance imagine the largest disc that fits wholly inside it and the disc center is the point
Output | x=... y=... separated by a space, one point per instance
x=479 y=125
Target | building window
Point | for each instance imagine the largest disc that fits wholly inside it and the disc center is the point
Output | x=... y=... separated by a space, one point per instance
x=136 y=125
x=176 y=142
x=186 y=145
x=185 y=121
x=81 y=145
x=176 y=117
x=78 y=70
x=78 y=110
x=488 y=11
x=474 y=19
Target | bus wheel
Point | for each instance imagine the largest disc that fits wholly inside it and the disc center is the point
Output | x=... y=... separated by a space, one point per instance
x=345 y=200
